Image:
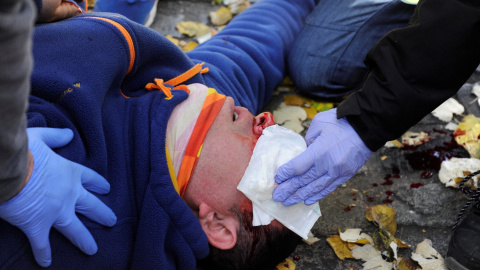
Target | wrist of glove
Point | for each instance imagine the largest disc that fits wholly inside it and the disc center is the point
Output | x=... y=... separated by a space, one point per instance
x=52 y=195
x=335 y=153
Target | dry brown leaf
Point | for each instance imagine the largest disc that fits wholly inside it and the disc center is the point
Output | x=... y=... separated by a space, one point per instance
x=415 y=138
x=403 y=264
x=192 y=29
x=401 y=244
x=311 y=239
x=341 y=248
x=382 y=239
x=290 y=117
x=355 y=236
x=372 y=258
x=220 y=17
x=287 y=264
x=383 y=216
x=467 y=134
x=427 y=257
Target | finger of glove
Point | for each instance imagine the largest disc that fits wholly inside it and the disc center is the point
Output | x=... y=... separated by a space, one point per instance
x=78 y=234
x=299 y=165
x=287 y=188
x=91 y=180
x=324 y=192
x=93 y=208
x=41 y=248
x=52 y=137
x=309 y=190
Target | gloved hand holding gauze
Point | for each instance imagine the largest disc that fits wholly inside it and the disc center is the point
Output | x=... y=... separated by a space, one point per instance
x=275 y=147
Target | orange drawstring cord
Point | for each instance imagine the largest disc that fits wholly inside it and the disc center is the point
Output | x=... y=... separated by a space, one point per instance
x=160 y=85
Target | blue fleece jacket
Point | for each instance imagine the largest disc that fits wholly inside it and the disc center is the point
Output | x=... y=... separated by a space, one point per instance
x=83 y=69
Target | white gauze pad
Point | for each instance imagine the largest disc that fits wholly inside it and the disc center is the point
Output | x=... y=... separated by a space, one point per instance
x=274 y=148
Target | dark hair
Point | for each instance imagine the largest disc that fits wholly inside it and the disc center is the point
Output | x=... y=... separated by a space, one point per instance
x=257 y=247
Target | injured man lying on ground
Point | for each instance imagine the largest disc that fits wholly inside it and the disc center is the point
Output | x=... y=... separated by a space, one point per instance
x=162 y=127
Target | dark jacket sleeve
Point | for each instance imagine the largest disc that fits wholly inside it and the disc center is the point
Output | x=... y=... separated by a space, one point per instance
x=414 y=69
x=16 y=24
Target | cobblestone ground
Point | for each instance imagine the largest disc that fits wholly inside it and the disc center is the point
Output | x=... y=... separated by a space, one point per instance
x=428 y=211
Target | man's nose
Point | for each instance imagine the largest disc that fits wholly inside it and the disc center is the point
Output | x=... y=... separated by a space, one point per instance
x=263 y=121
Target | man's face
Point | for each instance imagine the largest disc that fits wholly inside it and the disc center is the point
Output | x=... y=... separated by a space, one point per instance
x=227 y=150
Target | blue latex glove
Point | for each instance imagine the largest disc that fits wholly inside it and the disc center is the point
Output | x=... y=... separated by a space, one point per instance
x=335 y=153
x=52 y=195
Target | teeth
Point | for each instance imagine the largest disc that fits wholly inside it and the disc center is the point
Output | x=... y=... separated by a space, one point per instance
x=235 y=116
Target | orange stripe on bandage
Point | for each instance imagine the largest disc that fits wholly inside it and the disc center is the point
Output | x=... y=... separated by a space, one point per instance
x=211 y=107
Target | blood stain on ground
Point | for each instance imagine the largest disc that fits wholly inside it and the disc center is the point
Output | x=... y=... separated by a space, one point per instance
x=416 y=185
x=388 y=180
x=426 y=174
x=389 y=196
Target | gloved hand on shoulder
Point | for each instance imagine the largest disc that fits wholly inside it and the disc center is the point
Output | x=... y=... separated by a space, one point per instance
x=335 y=153
x=54 y=191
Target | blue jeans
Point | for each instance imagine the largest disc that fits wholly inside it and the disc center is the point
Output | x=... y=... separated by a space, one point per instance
x=327 y=57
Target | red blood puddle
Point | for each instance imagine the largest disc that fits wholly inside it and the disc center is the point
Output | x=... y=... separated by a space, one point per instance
x=431 y=159
x=296 y=258
x=347 y=209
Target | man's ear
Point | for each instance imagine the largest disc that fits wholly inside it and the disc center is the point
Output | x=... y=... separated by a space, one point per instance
x=221 y=229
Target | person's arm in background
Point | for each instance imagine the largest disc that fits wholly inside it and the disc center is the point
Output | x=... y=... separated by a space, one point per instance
x=38 y=188
x=413 y=70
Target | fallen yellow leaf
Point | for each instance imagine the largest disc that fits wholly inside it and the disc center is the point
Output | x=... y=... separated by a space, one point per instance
x=172 y=39
x=239 y=6
x=189 y=46
x=383 y=216
x=340 y=247
x=311 y=112
x=287 y=264
x=220 y=17
x=401 y=244
x=192 y=29
x=467 y=134
x=322 y=106
x=394 y=143
x=295 y=100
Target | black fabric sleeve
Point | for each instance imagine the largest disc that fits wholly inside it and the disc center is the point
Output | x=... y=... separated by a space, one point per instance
x=415 y=69
x=16 y=24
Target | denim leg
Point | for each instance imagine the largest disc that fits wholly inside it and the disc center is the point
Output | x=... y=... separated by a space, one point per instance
x=327 y=57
